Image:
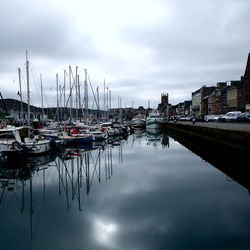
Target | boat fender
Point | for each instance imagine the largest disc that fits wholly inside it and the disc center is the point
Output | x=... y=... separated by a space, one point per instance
x=15 y=145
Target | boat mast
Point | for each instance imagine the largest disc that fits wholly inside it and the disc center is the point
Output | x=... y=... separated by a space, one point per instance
x=97 y=93
x=104 y=98
x=28 y=87
x=57 y=101
x=107 y=104
x=79 y=96
x=76 y=94
x=64 y=101
x=60 y=101
x=70 y=94
x=42 y=95
x=86 y=96
x=120 y=109
x=20 y=93
x=110 y=100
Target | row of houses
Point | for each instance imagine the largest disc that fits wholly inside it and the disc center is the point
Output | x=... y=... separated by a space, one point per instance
x=218 y=99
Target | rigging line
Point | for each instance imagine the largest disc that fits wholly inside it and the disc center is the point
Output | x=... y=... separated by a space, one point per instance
x=84 y=168
x=51 y=111
x=17 y=189
x=2 y=195
x=60 y=177
x=35 y=80
x=75 y=188
x=95 y=165
x=5 y=205
x=70 y=93
x=71 y=180
x=31 y=102
x=93 y=93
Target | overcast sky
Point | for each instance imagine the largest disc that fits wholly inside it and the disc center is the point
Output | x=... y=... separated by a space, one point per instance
x=141 y=47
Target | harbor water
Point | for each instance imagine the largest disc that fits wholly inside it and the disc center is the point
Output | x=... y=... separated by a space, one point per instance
x=144 y=192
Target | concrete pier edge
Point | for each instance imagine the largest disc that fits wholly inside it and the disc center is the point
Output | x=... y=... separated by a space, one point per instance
x=234 y=138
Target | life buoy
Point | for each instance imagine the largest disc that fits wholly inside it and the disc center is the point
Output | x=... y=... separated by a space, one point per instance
x=15 y=145
x=2 y=125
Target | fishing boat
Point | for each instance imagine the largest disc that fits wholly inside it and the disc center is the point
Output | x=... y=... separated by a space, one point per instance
x=139 y=122
x=154 y=120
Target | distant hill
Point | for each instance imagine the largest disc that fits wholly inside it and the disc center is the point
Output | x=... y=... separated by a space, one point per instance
x=15 y=105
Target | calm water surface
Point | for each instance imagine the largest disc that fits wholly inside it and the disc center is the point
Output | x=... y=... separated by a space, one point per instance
x=146 y=193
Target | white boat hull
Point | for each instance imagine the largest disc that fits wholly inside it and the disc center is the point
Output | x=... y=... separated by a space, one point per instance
x=138 y=122
x=154 y=126
x=100 y=136
x=40 y=147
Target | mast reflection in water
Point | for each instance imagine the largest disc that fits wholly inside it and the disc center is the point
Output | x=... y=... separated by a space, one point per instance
x=145 y=192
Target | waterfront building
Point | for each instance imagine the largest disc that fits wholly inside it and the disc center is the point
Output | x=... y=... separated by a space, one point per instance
x=197 y=99
x=244 y=88
x=187 y=108
x=205 y=105
x=181 y=108
x=173 y=110
x=232 y=96
x=210 y=101
x=241 y=92
x=196 y=102
x=220 y=98
x=217 y=99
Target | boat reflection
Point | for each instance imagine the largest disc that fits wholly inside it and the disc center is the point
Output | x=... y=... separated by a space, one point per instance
x=77 y=170
x=139 y=132
x=156 y=137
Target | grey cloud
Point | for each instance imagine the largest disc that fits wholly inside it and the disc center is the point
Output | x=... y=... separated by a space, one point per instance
x=42 y=30
x=203 y=41
x=196 y=43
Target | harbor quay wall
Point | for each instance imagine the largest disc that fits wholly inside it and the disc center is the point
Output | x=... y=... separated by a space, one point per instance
x=233 y=137
x=227 y=150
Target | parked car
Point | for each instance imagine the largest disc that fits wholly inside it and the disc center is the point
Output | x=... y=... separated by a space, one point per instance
x=189 y=118
x=230 y=116
x=216 y=118
x=244 y=117
x=182 y=118
x=208 y=118
x=196 y=118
